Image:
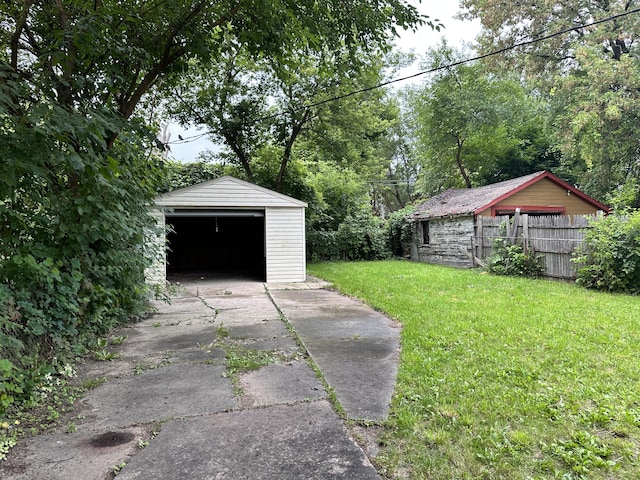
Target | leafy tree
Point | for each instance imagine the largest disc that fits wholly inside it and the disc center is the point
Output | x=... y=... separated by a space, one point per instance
x=472 y=127
x=397 y=189
x=177 y=175
x=248 y=104
x=591 y=75
x=523 y=21
x=596 y=112
x=77 y=175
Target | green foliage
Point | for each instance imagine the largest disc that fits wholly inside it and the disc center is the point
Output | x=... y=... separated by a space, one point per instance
x=73 y=209
x=510 y=259
x=50 y=397
x=583 y=453
x=361 y=238
x=177 y=175
x=472 y=127
x=356 y=238
x=71 y=251
x=399 y=232
x=10 y=384
x=340 y=221
x=609 y=257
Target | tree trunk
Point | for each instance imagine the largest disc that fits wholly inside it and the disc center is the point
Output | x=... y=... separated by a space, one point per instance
x=460 y=164
x=286 y=156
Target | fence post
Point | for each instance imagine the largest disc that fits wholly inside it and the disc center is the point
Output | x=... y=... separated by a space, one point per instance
x=479 y=253
x=514 y=227
x=525 y=233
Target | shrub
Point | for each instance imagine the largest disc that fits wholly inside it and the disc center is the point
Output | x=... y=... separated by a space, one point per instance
x=509 y=259
x=609 y=257
x=399 y=232
x=356 y=238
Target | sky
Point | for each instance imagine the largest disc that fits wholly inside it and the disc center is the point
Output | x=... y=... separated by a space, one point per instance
x=455 y=31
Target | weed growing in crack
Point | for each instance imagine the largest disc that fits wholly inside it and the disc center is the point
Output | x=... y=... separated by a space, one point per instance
x=119 y=340
x=142 y=444
x=222 y=332
x=116 y=469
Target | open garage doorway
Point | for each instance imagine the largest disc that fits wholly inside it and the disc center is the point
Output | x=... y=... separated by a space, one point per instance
x=216 y=243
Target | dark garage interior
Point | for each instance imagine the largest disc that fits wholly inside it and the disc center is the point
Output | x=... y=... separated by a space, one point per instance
x=210 y=243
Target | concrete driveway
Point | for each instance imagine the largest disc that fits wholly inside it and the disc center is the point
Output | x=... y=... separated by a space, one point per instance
x=229 y=381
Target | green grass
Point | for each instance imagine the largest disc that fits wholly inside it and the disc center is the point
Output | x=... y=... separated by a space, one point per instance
x=504 y=378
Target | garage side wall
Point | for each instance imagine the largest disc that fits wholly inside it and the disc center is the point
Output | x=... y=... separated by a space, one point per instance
x=285 y=244
x=156 y=243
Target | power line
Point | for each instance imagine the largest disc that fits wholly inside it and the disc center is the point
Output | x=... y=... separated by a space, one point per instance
x=474 y=59
x=442 y=67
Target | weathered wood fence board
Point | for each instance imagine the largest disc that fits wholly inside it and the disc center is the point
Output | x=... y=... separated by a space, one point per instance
x=555 y=237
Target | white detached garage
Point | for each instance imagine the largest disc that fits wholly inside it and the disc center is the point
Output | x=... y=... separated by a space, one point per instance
x=232 y=227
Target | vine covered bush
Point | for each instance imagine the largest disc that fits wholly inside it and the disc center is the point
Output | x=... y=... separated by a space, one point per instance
x=72 y=254
x=511 y=259
x=399 y=232
x=609 y=257
x=356 y=238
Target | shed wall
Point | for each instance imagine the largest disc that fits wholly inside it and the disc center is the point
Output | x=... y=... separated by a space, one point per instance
x=285 y=244
x=450 y=241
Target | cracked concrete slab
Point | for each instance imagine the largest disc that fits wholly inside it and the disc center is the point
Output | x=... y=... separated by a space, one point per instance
x=163 y=393
x=295 y=442
x=167 y=338
x=355 y=347
x=278 y=383
x=81 y=455
x=277 y=424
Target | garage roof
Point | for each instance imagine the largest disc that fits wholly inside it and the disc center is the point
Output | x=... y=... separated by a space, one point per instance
x=226 y=192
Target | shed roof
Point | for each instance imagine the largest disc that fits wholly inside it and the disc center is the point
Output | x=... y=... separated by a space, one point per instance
x=226 y=192
x=469 y=201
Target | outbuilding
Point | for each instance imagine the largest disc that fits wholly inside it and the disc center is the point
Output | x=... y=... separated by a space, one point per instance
x=232 y=227
x=448 y=227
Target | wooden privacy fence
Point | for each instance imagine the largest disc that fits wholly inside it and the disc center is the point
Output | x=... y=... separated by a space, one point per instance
x=555 y=237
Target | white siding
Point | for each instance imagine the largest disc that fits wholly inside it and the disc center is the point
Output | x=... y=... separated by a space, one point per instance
x=284 y=223
x=156 y=243
x=226 y=192
x=285 y=242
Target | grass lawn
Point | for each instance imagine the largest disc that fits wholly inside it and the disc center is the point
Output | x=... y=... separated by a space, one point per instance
x=504 y=378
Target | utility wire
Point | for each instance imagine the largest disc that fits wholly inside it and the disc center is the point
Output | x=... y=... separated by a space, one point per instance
x=473 y=59
x=442 y=67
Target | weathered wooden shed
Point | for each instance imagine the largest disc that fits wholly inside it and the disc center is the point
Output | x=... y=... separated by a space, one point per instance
x=445 y=225
x=230 y=226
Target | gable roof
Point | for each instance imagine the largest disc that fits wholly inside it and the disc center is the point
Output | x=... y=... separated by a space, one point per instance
x=475 y=200
x=226 y=192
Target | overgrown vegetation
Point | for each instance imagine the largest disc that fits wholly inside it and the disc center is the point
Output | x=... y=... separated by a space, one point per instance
x=52 y=395
x=400 y=232
x=609 y=257
x=511 y=259
x=504 y=378
x=80 y=87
